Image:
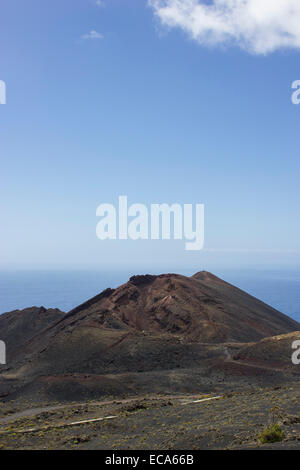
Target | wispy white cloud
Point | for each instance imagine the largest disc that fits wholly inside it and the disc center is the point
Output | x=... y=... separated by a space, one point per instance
x=259 y=26
x=92 y=35
x=100 y=3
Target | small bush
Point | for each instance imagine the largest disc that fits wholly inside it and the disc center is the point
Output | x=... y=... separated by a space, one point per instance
x=272 y=433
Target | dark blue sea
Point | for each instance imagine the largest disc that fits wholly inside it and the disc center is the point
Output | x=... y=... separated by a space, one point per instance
x=66 y=289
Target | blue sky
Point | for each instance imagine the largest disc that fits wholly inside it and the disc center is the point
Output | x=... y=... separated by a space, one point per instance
x=148 y=110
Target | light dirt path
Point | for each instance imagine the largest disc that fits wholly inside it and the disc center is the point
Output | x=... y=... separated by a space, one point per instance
x=93 y=420
x=257 y=366
x=229 y=358
x=29 y=413
x=202 y=400
x=56 y=426
x=32 y=412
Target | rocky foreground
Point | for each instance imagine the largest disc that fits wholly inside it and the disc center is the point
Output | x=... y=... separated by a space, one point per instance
x=161 y=362
x=233 y=421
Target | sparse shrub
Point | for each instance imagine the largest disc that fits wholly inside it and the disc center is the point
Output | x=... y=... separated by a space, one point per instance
x=272 y=433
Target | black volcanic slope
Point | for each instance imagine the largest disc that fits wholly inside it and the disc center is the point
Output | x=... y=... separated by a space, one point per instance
x=20 y=326
x=150 y=327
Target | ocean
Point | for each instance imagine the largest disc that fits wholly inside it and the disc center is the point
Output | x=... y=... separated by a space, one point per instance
x=67 y=289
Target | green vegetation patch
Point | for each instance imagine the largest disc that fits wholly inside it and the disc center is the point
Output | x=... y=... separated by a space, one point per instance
x=272 y=433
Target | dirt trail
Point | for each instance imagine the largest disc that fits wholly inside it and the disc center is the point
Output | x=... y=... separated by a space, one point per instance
x=32 y=412
x=257 y=366
x=28 y=413
x=56 y=426
x=184 y=401
x=229 y=358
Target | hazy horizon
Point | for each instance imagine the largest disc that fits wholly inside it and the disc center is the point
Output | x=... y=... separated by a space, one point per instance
x=65 y=289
